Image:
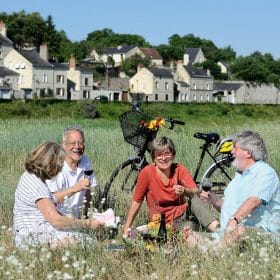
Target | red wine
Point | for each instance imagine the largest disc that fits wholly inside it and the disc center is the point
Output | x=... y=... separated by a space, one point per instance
x=88 y=172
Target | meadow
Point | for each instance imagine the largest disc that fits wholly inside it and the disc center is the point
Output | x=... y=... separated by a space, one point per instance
x=258 y=259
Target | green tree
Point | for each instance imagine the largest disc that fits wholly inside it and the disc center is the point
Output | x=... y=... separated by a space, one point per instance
x=129 y=66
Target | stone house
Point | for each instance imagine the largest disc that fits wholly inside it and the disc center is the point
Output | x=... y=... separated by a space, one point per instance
x=240 y=92
x=79 y=80
x=153 y=84
x=199 y=80
x=118 y=54
x=151 y=54
x=193 y=55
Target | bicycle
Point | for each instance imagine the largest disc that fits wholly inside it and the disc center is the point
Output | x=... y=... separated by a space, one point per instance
x=136 y=132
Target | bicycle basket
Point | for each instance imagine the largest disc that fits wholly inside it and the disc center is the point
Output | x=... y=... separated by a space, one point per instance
x=134 y=130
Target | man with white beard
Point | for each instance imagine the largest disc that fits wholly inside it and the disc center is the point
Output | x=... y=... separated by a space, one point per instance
x=252 y=198
x=71 y=187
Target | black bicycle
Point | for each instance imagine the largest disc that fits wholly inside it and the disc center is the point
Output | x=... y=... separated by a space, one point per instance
x=138 y=130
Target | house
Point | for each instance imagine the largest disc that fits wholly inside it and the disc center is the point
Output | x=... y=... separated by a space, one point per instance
x=8 y=81
x=225 y=68
x=6 y=45
x=117 y=54
x=152 y=55
x=116 y=89
x=193 y=55
x=199 y=80
x=153 y=84
x=79 y=80
x=240 y=92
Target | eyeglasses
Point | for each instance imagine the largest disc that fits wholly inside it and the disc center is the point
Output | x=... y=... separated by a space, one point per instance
x=166 y=155
x=73 y=144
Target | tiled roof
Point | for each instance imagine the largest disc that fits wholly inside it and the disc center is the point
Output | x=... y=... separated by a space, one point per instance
x=120 y=49
x=34 y=58
x=226 y=86
x=7 y=72
x=161 y=72
x=197 y=72
x=4 y=41
x=60 y=66
x=192 y=52
x=150 y=53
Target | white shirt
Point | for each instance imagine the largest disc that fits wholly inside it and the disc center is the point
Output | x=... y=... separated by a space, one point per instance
x=68 y=178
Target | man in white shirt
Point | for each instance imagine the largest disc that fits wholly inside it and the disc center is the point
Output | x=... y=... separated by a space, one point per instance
x=71 y=187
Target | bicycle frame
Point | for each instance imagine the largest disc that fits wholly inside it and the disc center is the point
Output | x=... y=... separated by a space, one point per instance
x=210 y=139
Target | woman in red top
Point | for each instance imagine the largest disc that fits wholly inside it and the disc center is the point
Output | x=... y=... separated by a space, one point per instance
x=166 y=185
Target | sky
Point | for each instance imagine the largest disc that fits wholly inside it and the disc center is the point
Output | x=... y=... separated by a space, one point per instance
x=244 y=25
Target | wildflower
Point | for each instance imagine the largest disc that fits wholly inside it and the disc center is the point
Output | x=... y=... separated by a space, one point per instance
x=154 y=276
x=67 y=276
x=103 y=269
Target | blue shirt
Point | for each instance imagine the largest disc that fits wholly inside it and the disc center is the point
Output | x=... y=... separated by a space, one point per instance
x=260 y=181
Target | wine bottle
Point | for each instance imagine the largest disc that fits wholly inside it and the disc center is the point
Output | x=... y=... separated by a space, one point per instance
x=162 y=231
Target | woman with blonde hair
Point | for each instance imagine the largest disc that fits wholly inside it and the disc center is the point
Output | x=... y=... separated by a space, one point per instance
x=36 y=219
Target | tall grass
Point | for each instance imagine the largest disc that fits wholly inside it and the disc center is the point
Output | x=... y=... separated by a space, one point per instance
x=106 y=148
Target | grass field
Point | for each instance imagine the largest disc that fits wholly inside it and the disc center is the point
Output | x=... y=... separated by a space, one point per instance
x=106 y=148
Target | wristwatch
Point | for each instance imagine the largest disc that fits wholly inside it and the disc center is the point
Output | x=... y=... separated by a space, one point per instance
x=235 y=219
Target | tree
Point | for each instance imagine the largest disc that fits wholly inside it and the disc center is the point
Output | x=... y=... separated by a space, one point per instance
x=129 y=66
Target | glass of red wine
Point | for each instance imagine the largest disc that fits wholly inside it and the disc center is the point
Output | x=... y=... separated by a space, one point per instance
x=88 y=172
x=206 y=185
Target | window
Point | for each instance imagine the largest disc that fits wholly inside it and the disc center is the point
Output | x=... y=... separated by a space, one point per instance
x=194 y=86
x=60 y=91
x=1 y=56
x=207 y=86
x=186 y=96
x=45 y=78
x=60 y=79
x=166 y=85
x=86 y=81
x=156 y=85
x=86 y=94
x=156 y=97
x=166 y=97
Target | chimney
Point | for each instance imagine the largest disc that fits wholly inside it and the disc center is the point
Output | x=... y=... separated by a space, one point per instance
x=44 y=54
x=72 y=62
x=140 y=66
x=3 y=29
x=186 y=59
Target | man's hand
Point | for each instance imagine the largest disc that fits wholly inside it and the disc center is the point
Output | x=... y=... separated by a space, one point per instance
x=95 y=224
x=205 y=196
x=83 y=184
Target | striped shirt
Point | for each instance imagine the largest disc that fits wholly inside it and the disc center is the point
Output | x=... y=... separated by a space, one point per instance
x=26 y=214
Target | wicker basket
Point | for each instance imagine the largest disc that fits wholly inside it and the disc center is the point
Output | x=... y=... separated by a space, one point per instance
x=134 y=132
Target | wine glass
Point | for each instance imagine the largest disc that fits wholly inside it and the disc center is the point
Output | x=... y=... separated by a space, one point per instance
x=206 y=185
x=88 y=174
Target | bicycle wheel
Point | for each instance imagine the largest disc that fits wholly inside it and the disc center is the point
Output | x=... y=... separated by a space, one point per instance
x=218 y=175
x=117 y=191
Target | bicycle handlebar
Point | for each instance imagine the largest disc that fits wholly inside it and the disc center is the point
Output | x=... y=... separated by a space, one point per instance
x=136 y=105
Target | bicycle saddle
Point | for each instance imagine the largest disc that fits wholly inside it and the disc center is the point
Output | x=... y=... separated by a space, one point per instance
x=208 y=137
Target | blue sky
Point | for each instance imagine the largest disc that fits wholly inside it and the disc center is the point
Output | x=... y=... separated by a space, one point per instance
x=245 y=25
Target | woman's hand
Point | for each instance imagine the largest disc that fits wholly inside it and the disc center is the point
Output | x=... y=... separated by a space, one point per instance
x=179 y=190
